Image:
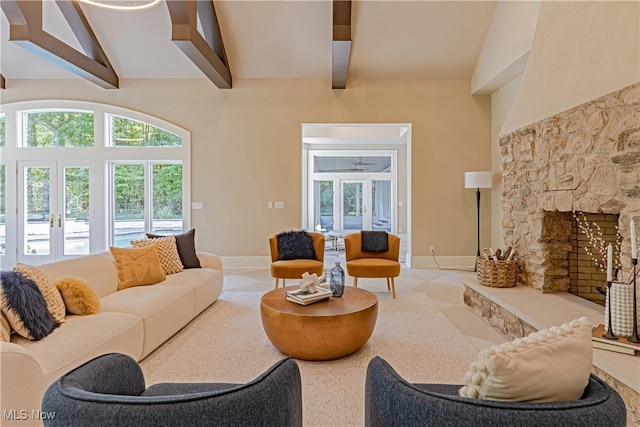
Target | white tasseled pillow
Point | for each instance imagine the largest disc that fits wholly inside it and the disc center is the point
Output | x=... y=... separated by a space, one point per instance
x=551 y=365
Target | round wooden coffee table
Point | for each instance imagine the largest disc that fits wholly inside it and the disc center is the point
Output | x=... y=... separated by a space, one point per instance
x=325 y=330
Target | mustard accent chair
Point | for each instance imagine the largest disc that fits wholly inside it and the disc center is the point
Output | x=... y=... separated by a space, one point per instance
x=373 y=264
x=294 y=268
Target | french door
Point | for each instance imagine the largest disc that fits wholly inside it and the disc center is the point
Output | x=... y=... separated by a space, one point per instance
x=54 y=216
x=365 y=204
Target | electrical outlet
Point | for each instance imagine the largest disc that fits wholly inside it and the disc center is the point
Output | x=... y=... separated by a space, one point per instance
x=432 y=249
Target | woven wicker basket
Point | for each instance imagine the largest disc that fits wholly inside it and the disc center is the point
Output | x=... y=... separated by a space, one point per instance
x=497 y=274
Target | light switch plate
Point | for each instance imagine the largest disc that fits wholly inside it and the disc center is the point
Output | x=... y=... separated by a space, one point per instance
x=197 y=205
x=279 y=205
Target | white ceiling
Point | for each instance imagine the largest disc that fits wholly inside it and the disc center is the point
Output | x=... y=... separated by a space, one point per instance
x=279 y=39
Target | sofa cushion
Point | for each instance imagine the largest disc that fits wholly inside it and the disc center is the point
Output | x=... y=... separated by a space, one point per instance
x=78 y=296
x=137 y=266
x=164 y=310
x=205 y=283
x=167 y=251
x=24 y=306
x=186 y=248
x=48 y=289
x=550 y=365
x=83 y=337
x=85 y=268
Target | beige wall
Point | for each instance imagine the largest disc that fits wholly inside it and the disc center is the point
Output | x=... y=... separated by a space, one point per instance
x=501 y=101
x=581 y=51
x=246 y=148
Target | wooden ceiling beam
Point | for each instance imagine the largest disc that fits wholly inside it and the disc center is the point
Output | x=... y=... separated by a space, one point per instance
x=207 y=53
x=26 y=30
x=341 y=44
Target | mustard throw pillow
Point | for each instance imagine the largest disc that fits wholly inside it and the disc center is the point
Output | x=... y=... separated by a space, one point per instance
x=79 y=297
x=137 y=266
x=167 y=251
x=52 y=296
x=550 y=365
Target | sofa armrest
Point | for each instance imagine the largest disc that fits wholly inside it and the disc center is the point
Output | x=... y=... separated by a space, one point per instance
x=209 y=260
x=23 y=379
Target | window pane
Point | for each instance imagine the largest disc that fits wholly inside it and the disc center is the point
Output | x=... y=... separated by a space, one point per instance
x=352 y=204
x=323 y=206
x=3 y=233
x=381 y=201
x=2 y=130
x=37 y=235
x=367 y=164
x=59 y=129
x=128 y=203
x=167 y=199
x=132 y=133
x=76 y=208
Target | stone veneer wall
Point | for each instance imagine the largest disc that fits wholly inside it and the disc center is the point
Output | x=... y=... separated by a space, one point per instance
x=585 y=159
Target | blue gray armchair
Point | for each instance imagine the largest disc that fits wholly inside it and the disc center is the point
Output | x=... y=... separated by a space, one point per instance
x=391 y=401
x=110 y=391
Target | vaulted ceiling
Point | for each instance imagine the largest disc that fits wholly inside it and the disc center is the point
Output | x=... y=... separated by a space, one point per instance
x=268 y=39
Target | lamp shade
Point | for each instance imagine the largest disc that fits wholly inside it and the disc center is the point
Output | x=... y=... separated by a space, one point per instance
x=477 y=180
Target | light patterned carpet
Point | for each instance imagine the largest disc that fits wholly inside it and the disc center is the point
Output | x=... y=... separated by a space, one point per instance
x=226 y=343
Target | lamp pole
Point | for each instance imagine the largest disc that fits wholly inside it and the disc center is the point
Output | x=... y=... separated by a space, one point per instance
x=477 y=180
x=475 y=268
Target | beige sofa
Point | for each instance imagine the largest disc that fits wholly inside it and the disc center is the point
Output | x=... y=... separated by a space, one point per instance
x=133 y=321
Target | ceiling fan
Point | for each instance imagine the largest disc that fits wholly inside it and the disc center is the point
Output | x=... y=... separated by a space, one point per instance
x=361 y=163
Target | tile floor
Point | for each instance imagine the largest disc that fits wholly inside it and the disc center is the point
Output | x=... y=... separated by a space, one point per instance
x=444 y=287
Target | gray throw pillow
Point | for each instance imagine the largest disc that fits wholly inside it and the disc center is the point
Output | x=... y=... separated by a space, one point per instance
x=186 y=248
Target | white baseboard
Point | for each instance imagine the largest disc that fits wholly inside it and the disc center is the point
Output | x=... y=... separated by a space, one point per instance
x=445 y=262
x=229 y=262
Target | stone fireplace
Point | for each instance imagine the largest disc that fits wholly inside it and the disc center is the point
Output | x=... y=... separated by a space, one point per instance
x=585 y=159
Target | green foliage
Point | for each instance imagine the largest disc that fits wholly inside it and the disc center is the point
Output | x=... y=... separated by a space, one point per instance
x=129 y=191
x=132 y=133
x=2 y=131
x=167 y=191
x=59 y=129
x=77 y=192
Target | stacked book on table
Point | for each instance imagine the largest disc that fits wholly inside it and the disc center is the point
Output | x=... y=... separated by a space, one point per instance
x=304 y=298
x=621 y=345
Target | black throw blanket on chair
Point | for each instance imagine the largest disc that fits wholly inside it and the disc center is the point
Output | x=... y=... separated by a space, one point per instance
x=375 y=241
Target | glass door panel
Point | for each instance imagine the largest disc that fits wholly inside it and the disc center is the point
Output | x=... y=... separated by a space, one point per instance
x=38 y=220
x=323 y=206
x=381 y=205
x=167 y=199
x=76 y=226
x=3 y=231
x=129 y=191
x=353 y=208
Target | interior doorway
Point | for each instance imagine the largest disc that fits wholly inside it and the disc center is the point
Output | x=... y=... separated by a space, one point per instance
x=357 y=177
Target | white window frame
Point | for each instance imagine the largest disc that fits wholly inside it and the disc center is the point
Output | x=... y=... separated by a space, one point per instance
x=100 y=155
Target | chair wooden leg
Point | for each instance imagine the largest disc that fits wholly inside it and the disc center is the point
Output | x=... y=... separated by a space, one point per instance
x=393 y=288
x=355 y=282
x=388 y=284
x=277 y=281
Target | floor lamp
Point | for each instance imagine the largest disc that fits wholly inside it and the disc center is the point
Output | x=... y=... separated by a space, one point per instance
x=477 y=180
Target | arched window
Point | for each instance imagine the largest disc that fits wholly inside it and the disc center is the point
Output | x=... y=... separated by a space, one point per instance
x=87 y=176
